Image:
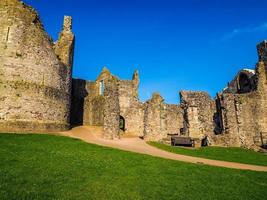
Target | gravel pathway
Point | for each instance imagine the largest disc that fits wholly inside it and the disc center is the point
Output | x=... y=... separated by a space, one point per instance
x=137 y=145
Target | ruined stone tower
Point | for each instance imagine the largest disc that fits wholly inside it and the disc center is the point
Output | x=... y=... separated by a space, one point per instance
x=36 y=87
x=35 y=73
x=65 y=45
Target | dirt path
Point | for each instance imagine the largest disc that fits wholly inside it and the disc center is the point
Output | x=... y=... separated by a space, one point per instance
x=135 y=144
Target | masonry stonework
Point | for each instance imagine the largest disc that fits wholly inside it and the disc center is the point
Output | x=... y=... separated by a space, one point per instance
x=131 y=109
x=38 y=93
x=34 y=84
x=199 y=111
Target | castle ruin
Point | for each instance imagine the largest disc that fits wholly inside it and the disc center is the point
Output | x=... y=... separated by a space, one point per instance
x=38 y=93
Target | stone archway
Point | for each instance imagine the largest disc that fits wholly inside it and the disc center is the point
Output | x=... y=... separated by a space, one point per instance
x=122 y=123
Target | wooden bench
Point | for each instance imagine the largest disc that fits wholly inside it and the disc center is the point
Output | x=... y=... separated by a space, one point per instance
x=182 y=141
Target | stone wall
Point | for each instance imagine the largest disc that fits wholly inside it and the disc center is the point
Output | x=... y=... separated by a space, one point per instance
x=261 y=72
x=243 y=114
x=87 y=97
x=34 y=83
x=155 y=119
x=161 y=119
x=134 y=119
x=227 y=111
x=126 y=97
x=235 y=118
x=239 y=120
x=36 y=96
x=92 y=107
x=131 y=109
x=95 y=102
x=246 y=114
x=111 y=110
x=199 y=110
x=133 y=115
x=174 y=118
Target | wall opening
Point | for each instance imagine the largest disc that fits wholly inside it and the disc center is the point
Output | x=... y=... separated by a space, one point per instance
x=79 y=93
x=122 y=123
x=7 y=35
x=217 y=117
x=101 y=88
x=205 y=142
x=244 y=84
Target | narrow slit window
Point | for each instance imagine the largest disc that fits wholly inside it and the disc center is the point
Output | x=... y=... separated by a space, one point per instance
x=101 y=88
x=7 y=35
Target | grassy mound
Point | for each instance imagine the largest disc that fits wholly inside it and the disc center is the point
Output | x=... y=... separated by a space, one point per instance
x=231 y=154
x=51 y=167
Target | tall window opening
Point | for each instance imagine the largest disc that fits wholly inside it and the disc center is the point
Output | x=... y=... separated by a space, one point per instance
x=101 y=88
x=122 y=123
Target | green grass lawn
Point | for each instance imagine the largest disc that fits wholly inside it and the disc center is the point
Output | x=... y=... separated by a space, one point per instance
x=52 y=167
x=232 y=154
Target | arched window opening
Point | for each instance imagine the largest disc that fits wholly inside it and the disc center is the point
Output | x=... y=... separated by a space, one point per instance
x=122 y=123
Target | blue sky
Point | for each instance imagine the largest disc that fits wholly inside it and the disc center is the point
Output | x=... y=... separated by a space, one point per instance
x=175 y=45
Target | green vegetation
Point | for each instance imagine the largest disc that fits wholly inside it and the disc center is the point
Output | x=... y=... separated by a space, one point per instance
x=232 y=154
x=52 y=167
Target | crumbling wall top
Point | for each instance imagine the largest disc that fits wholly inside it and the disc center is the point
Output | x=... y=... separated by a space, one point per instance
x=157 y=98
x=262 y=50
x=67 y=26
